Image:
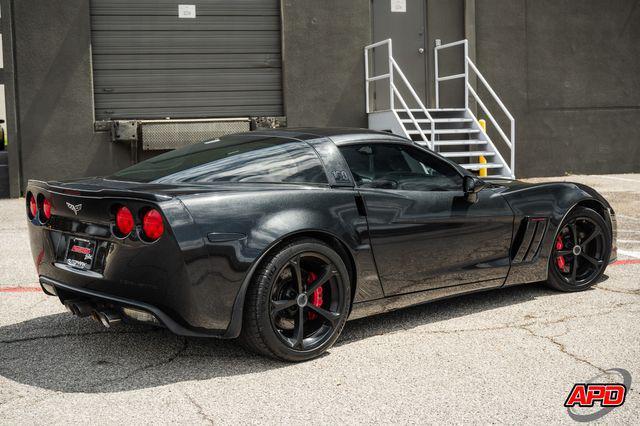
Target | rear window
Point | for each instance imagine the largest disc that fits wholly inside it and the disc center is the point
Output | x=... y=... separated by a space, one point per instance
x=238 y=158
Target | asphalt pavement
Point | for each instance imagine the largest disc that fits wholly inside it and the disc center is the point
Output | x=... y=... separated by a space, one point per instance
x=506 y=356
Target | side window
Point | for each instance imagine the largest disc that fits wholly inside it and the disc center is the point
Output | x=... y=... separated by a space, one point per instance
x=232 y=159
x=394 y=166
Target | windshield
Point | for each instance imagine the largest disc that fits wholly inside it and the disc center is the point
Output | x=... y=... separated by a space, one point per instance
x=235 y=158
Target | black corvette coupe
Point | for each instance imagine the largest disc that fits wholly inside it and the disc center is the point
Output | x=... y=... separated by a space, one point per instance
x=277 y=237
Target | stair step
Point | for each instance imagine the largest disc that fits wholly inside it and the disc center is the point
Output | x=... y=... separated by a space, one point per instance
x=460 y=142
x=437 y=110
x=444 y=131
x=439 y=120
x=468 y=154
x=478 y=166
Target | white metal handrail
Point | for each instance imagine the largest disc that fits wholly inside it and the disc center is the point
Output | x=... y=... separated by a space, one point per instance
x=394 y=92
x=464 y=75
x=497 y=152
x=469 y=90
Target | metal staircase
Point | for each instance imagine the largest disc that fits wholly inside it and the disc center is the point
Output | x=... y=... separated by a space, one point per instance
x=454 y=133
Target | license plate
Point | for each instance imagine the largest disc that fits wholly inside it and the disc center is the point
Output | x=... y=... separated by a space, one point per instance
x=80 y=253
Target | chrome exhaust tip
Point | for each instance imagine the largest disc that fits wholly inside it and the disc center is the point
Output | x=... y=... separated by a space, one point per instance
x=107 y=318
x=71 y=307
x=81 y=309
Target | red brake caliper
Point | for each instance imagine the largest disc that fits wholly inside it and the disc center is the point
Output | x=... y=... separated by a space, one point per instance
x=560 y=259
x=316 y=297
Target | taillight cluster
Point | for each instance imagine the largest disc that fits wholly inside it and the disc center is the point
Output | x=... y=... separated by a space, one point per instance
x=38 y=207
x=152 y=224
x=124 y=221
x=150 y=219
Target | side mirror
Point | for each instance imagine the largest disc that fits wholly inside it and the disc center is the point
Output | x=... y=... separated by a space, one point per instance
x=471 y=185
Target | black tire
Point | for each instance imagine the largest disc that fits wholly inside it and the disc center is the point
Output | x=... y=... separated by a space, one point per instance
x=582 y=264
x=274 y=306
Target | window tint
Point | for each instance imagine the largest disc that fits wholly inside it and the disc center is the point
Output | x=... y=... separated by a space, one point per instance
x=394 y=166
x=232 y=159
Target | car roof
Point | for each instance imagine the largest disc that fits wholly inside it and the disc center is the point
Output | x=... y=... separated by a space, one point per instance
x=343 y=136
x=338 y=135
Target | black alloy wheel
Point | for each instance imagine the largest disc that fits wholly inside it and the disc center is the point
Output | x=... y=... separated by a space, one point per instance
x=298 y=305
x=305 y=301
x=580 y=251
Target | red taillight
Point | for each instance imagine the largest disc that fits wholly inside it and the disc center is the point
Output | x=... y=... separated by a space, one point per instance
x=46 y=209
x=152 y=224
x=124 y=221
x=33 y=207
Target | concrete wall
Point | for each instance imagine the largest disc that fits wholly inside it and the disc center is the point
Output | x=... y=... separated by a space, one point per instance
x=570 y=73
x=323 y=57
x=323 y=61
x=568 y=70
x=54 y=92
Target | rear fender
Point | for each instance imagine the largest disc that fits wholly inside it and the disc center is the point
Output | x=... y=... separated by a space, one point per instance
x=261 y=221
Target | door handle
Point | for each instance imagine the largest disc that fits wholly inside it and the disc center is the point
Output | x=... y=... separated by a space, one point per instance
x=421 y=50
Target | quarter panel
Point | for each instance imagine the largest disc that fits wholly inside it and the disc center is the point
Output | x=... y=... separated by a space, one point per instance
x=262 y=219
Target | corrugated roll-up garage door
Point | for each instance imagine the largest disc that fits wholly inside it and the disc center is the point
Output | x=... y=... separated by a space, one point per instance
x=149 y=63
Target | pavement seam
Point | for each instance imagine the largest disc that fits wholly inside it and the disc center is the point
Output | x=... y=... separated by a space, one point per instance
x=552 y=339
x=199 y=410
x=635 y=292
x=52 y=336
x=562 y=348
x=518 y=325
x=87 y=333
x=135 y=371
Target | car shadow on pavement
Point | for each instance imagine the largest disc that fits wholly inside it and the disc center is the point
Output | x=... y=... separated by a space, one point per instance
x=63 y=353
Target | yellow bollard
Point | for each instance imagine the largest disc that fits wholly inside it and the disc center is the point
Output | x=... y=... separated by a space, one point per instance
x=483 y=171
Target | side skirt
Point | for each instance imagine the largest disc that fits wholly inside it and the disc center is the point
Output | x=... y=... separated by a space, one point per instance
x=388 y=304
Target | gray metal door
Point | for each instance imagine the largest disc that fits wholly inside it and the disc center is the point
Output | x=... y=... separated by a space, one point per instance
x=406 y=26
x=148 y=62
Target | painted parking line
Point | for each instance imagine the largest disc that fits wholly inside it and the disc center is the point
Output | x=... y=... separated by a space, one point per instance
x=635 y=219
x=20 y=289
x=629 y=253
x=627 y=262
x=619 y=178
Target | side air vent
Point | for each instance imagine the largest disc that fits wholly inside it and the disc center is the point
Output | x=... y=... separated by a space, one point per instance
x=529 y=238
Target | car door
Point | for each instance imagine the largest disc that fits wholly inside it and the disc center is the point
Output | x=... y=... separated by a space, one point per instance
x=424 y=233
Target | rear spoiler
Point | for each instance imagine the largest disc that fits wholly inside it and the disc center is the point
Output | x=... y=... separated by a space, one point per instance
x=84 y=190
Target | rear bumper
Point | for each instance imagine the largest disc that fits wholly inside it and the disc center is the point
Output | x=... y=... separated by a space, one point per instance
x=194 y=283
x=68 y=292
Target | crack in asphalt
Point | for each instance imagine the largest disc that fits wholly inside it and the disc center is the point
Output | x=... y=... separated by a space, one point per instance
x=562 y=348
x=82 y=334
x=199 y=410
x=527 y=328
x=135 y=371
x=15 y=398
x=52 y=336
x=31 y=402
x=515 y=324
x=635 y=292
